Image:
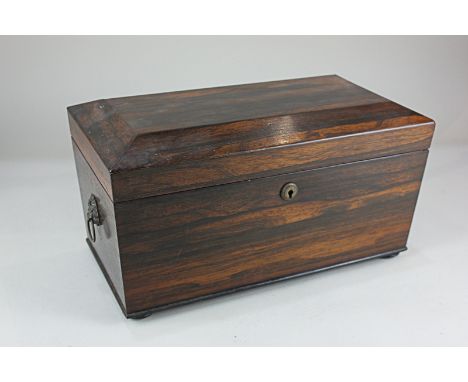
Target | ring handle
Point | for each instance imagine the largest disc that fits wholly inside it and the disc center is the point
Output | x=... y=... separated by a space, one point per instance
x=94 y=218
x=91 y=230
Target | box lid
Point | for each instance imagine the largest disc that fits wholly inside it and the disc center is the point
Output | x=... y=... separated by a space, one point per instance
x=156 y=144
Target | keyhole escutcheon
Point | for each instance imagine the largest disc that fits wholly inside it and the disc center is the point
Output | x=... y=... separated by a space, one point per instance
x=289 y=191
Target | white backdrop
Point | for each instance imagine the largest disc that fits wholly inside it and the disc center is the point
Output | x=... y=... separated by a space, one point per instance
x=53 y=293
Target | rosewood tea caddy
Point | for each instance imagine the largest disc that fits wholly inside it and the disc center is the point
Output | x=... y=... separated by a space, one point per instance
x=194 y=194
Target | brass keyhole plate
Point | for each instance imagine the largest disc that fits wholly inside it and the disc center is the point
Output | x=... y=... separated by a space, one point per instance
x=289 y=191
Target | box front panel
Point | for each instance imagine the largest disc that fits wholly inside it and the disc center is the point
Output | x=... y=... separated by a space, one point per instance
x=192 y=244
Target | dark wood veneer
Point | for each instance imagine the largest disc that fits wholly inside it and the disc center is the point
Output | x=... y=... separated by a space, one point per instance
x=188 y=184
x=107 y=246
x=188 y=175
x=161 y=143
x=185 y=245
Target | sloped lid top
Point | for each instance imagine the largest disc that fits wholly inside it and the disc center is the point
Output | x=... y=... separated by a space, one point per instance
x=167 y=129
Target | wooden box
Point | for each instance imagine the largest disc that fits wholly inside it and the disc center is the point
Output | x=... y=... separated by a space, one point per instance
x=194 y=194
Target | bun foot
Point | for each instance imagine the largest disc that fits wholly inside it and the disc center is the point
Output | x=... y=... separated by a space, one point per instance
x=141 y=316
x=390 y=255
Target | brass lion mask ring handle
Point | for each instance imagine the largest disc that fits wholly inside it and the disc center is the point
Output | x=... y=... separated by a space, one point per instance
x=94 y=218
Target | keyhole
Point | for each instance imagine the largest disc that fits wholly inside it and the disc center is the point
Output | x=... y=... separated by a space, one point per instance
x=289 y=191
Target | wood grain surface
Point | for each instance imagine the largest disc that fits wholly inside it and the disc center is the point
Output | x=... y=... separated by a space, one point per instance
x=162 y=143
x=189 y=184
x=106 y=245
x=190 y=244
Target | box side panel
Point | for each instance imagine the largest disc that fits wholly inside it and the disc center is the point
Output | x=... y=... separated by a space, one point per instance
x=192 y=244
x=105 y=248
